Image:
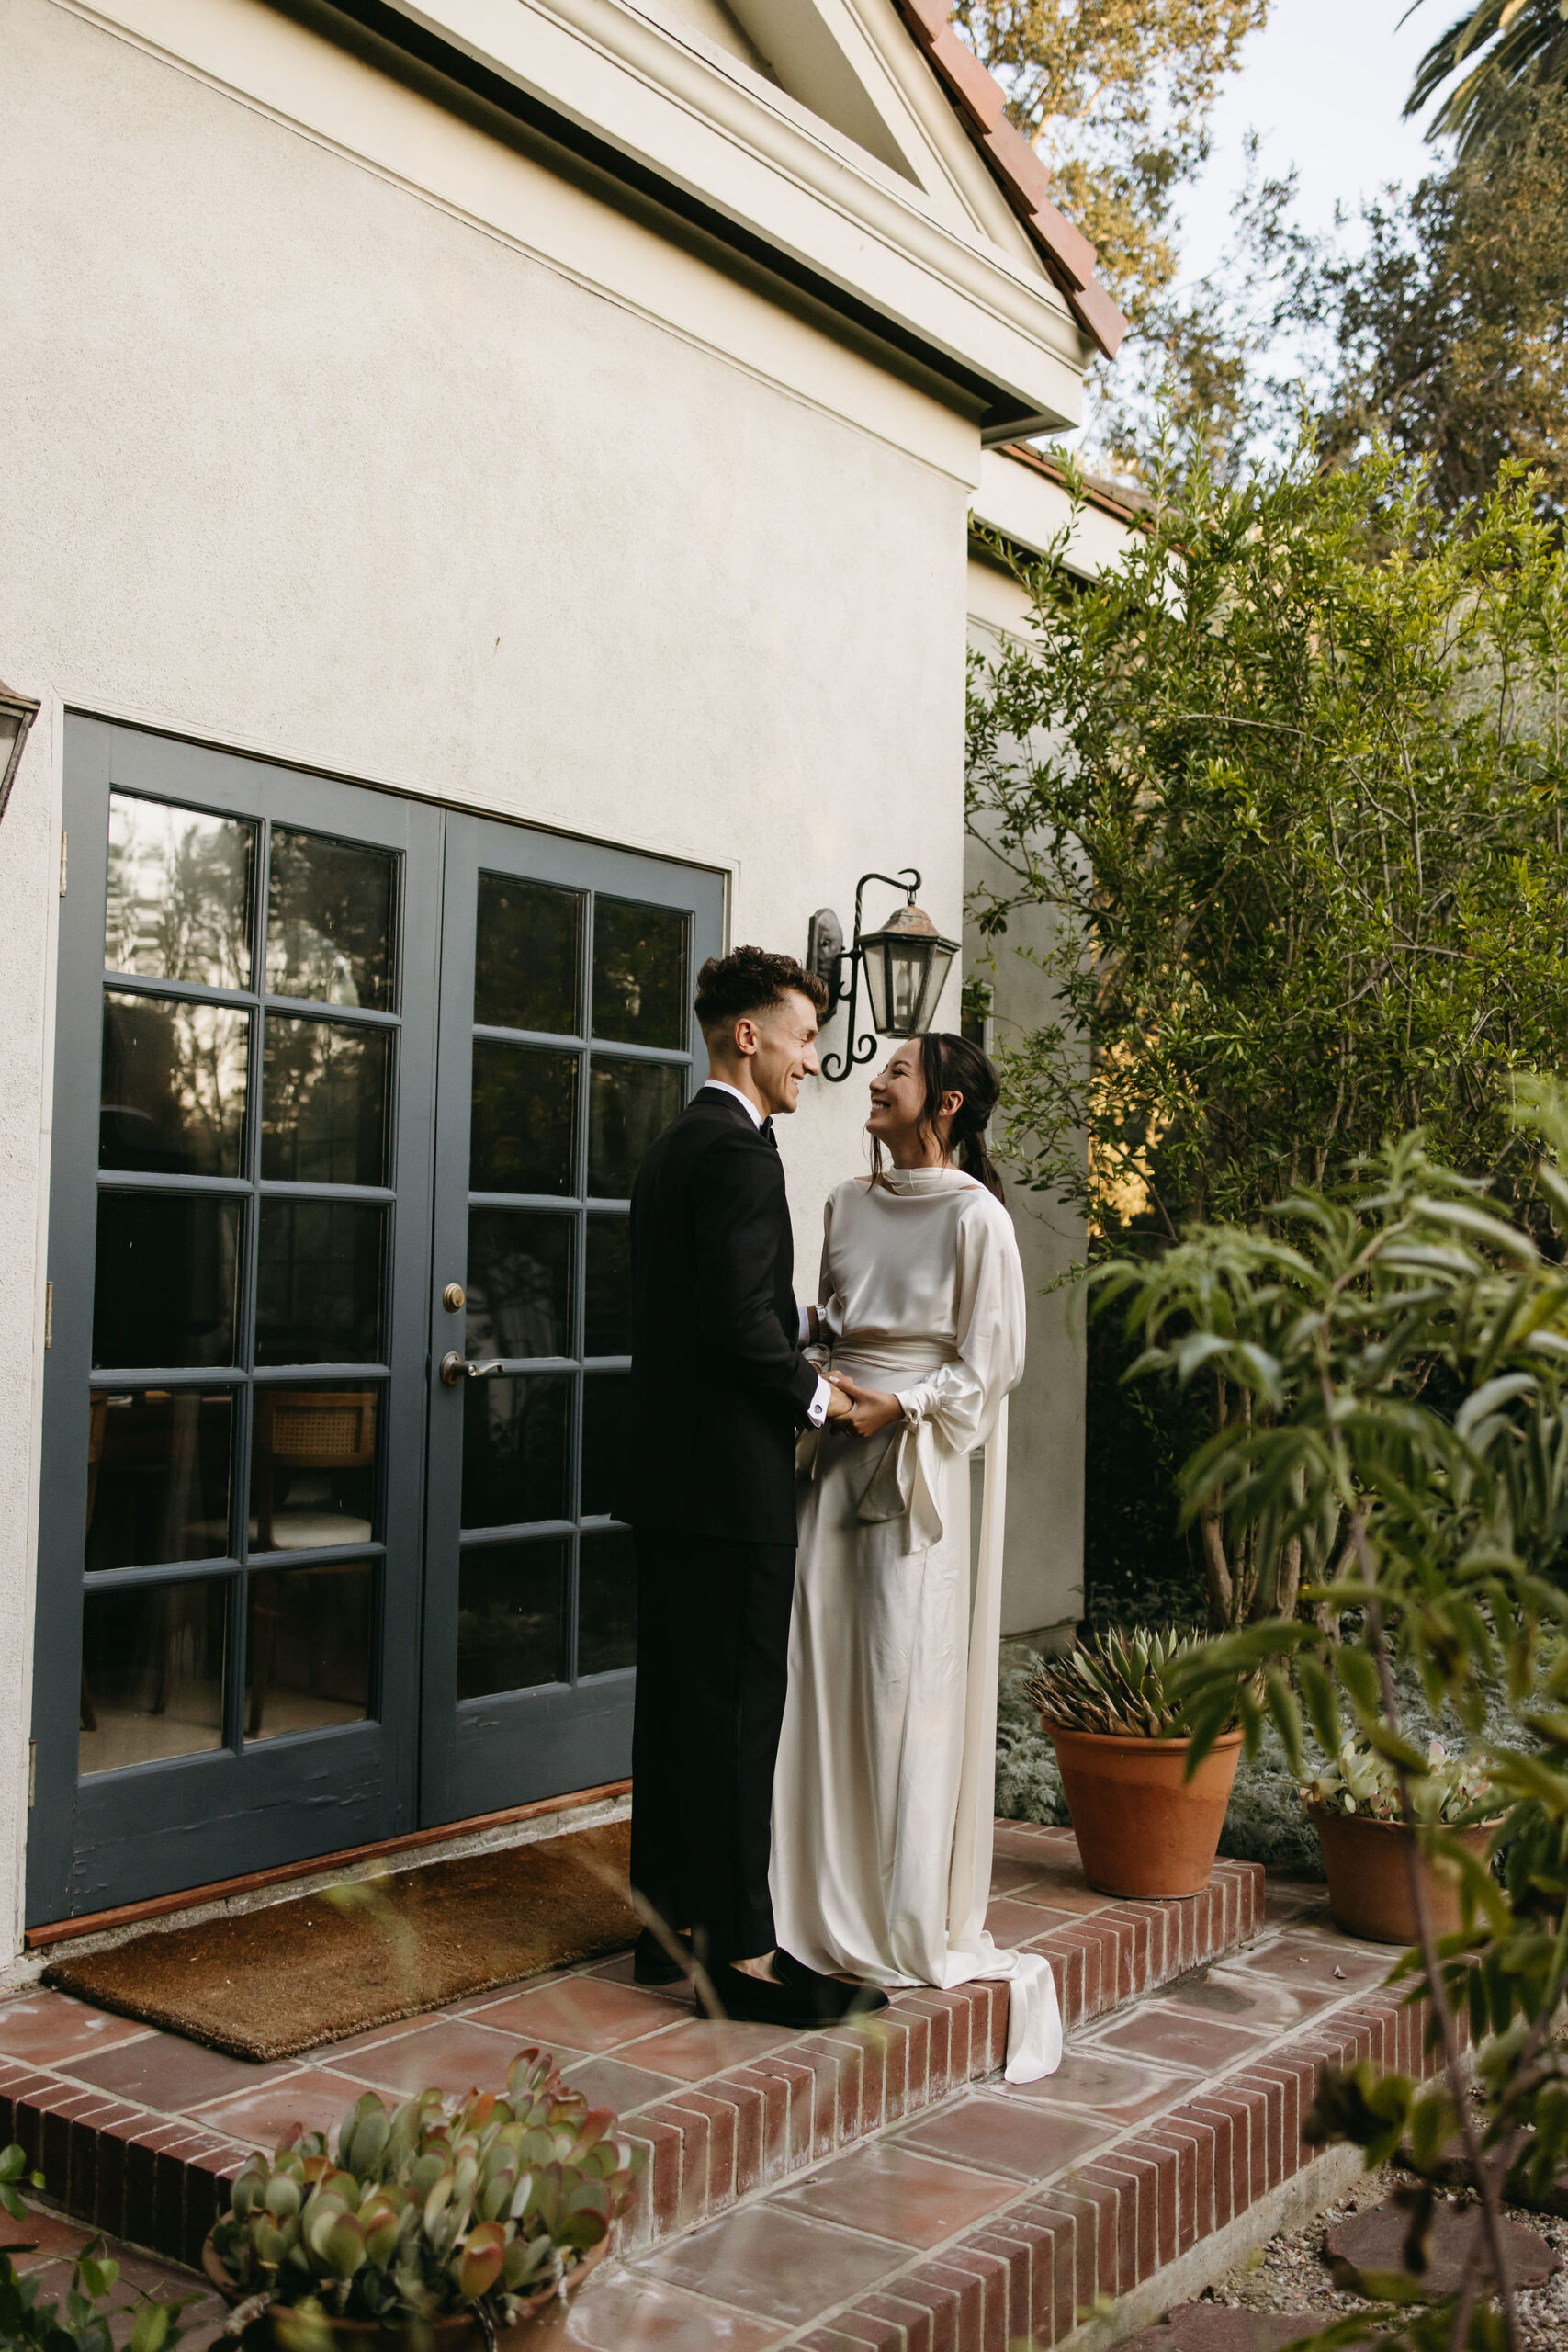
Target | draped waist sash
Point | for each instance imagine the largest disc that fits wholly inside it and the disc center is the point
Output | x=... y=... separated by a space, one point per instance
x=899 y=1479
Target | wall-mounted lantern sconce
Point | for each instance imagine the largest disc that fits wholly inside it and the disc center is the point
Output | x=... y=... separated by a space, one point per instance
x=16 y=715
x=906 y=965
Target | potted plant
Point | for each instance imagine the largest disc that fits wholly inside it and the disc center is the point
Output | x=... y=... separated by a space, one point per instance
x=1145 y=1826
x=1143 y=1823
x=1356 y=1808
x=445 y=2221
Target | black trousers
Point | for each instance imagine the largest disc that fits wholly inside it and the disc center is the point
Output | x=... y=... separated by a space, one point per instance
x=713 y=1657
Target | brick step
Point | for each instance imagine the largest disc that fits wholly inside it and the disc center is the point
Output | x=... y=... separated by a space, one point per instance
x=998 y=2217
x=139 y=2131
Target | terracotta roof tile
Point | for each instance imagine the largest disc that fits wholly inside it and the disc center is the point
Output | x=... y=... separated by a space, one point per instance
x=980 y=102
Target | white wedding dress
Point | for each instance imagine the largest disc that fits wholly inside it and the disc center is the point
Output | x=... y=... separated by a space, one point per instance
x=885 y=1789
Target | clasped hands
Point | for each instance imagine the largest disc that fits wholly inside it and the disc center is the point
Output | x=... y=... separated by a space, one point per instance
x=864 y=1410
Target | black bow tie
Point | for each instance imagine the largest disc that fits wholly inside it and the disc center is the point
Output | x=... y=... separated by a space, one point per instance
x=767 y=1129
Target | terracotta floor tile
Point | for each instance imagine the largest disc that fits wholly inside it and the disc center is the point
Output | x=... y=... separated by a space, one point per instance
x=1026 y=2138
x=1014 y=1920
x=610 y=2082
x=704 y=2046
x=454 y=2053
x=892 y=2191
x=1167 y=2034
x=1023 y=1838
x=1123 y=2087
x=327 y=2054
x=776 y=2264
x=1319 y=1958
x=1245 y=1996
x=1062 y=1886
x=50 y=2234
x=1292 y=1898
x=50 y=2028
x=165 y=2070
x=618 y=1970
x=259 y=2119
x=1007 y=1874
x=587 y=2012
x=624 y=2312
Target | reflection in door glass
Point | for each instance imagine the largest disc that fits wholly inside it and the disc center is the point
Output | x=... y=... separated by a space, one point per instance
x=313 y=1467
x=164 y=1288
x=324 y=1102
x=525 y=1104
x=639 y=973
x=308 y=1648
x=608 y=1287
x=179 y=894
x=604 y=1405
x=514 y=1450
x=174 y=1086
x=606 y=1603
x=526 y=949
x=629 y=1104
x=158 y=1472
x=330 y=908
x=152 y=1673
x=511 y=1616
x=318 y=1279
x=519 y=1284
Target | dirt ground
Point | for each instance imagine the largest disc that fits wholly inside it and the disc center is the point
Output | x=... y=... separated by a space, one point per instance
x=1290 y=2274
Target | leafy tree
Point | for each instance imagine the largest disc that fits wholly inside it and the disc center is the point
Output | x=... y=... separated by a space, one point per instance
x=1498 y=48
x=1404 y=1345
x=1297 y=816
x=1116 y=95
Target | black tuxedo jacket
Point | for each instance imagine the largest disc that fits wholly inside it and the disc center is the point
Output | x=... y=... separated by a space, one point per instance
x=718 y=1384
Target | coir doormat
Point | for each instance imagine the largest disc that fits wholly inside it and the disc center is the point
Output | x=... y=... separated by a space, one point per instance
x=268 y=1984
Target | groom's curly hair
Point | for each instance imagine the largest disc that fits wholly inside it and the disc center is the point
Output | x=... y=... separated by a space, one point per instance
x=750 y=979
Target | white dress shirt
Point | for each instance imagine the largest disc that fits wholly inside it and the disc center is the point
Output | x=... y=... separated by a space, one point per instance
x=816 y=1411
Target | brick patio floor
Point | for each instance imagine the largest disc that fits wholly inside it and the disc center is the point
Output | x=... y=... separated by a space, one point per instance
x=879 y=2190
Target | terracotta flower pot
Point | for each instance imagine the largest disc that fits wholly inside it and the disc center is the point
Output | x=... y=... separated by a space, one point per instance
x=1368 y=1864
x=458 y=2332
x=1142 y=1828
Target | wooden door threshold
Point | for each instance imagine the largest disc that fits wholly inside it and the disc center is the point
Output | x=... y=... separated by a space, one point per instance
x=158 y=1906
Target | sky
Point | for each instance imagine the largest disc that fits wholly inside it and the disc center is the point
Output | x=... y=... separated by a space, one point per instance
x=1322 y=84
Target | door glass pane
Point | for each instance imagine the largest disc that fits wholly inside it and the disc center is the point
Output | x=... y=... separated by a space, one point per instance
x=313 y=1467
x=527 y=948
x=608 y=1287
x=511 y=1616
x=329 y=920
x=639 y=973
x=514 y=1450
x=603 y=1403
x=525 y=1113
x=152 y=1673
x=179 y=893
x=319 y=1283
x=174 y=1086
x=165 y=1284
x=606 y=1603
x=630 y=1103
x=324 y=1102
x=519 y=1284
x=158 y=1472
x=308 y=1648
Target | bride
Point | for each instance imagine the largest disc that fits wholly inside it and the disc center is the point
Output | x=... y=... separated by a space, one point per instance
x=883 y=1792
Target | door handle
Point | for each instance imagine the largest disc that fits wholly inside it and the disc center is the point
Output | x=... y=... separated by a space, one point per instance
x=455 y=1368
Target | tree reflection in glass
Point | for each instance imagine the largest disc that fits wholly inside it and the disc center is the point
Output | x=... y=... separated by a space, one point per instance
x=179 y=893
x=329 y=920
x=173 y=1085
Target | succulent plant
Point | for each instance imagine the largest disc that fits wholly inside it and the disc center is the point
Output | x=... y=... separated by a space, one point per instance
x=1453 y=1788
x=1118 y=1681
x=446 y=2205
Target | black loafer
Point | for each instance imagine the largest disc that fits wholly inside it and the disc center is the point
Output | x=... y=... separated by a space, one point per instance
x=652 y=1964
x=849 y=2000
x=805 y=2004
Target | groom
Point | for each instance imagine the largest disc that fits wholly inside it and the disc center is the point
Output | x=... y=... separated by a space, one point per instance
x=718 y=1390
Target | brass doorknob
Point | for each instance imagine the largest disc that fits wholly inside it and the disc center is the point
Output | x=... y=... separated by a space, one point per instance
x=455 y=1368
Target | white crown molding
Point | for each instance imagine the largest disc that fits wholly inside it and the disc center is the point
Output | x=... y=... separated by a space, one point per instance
x=705 y=126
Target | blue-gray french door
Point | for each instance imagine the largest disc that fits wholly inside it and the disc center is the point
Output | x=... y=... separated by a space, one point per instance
x=296 y=1595
x=567 y=1044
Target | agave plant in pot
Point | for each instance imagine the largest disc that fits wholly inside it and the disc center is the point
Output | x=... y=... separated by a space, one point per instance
x=1144 y=1824
x=442 y=2222
x=1357 y=1809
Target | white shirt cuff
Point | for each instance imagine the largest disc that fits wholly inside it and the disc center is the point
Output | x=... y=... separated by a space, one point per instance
x=816 y=1411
